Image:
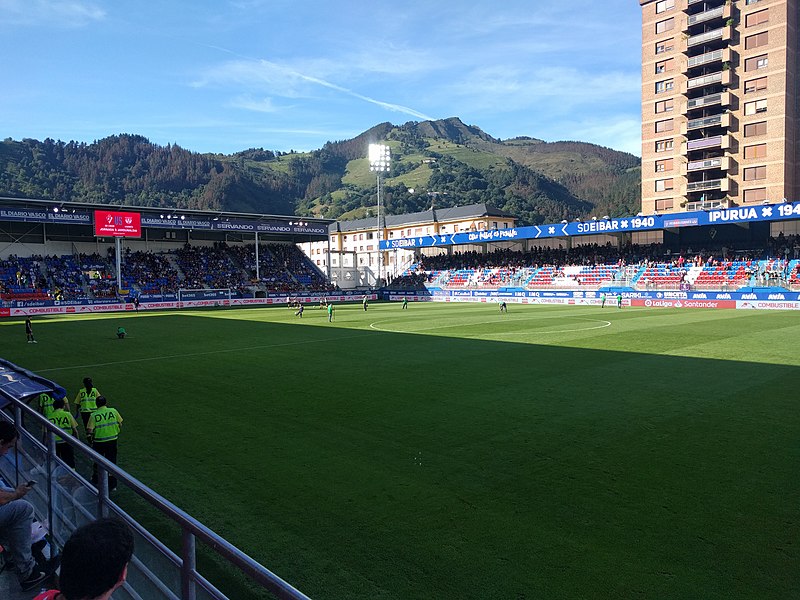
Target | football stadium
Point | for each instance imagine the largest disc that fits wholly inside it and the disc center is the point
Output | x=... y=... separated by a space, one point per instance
x=417 y=362
x=598 y=421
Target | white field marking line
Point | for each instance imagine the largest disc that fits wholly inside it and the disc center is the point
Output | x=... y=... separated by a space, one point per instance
x=189 y=354
x=604 y=324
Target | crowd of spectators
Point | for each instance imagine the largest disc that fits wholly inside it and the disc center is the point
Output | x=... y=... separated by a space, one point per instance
x=512 y=267
x=22 y=277
x=210 y=267
x=151 y=273
x=284 y=268
x=281 y=268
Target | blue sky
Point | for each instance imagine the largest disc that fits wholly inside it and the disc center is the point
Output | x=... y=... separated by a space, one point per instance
x=227 y=75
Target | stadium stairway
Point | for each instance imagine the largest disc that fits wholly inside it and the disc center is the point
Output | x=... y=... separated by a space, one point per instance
x=173 y=261
x=9 y=587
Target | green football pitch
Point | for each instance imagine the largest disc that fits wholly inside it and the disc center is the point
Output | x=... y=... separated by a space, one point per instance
x=449 y=451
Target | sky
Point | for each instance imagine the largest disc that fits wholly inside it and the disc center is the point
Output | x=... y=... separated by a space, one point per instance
x=227 y=75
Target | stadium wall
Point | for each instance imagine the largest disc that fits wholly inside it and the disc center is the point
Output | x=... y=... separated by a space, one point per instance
x=763 y=299
x=54 y=307
x=766 y=299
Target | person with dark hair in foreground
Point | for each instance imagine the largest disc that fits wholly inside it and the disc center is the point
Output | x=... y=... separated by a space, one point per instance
x=16 y=518
x=94 y=562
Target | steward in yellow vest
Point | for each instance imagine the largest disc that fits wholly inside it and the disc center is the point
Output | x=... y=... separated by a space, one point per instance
x=66 y=422
x=103 y=430
x=86 y=400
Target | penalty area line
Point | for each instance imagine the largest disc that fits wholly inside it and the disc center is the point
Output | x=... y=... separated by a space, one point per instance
x=603 y=324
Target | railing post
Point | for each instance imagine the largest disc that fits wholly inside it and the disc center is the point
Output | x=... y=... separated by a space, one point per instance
x=102 y=491
x=51 y=454
x=188 y=566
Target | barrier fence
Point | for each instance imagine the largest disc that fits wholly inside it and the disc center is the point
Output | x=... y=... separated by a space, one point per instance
x=64 y=499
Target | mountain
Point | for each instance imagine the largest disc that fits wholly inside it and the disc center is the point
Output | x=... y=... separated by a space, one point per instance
x=444 y=162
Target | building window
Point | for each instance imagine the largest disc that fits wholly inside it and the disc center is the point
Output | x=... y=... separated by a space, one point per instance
x=666 y=204
x=755 y=195
x=755 y=151
x=756 y=41
x=749 y=2
x=755 y=85
x=665 y=25
x=757 y=18
x=369 y=235
x=663 y=185
x=665 y=46
x=664 y=86
x=756 y=62
x=664 y=145
x=755 y=107
x=665 y=125
x=665 y=65
x=753 y=129
x=665 y=106
x=663 y=165
x=664 y=6
x=755 y=173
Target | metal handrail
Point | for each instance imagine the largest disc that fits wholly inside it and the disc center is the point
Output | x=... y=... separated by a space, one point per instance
x=188 y=524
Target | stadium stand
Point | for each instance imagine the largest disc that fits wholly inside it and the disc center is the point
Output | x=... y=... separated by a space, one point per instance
x=284 y=268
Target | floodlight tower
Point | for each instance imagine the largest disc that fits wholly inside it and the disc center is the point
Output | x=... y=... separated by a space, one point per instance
x=379 y=162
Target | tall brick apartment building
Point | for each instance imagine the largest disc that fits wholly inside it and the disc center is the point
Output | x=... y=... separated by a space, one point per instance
x=720 y=103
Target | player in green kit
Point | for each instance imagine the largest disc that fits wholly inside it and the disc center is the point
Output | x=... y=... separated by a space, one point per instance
x=330 y=312
x=619 y=300
x=405 y=303
x=602 y=300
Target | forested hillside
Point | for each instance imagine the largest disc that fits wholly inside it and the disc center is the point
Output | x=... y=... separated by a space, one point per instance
x=445 y=163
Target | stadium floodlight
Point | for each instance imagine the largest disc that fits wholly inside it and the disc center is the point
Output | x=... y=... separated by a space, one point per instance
x=379 y=162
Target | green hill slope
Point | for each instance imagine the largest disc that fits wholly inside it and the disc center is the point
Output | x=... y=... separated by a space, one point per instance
x=445 y=161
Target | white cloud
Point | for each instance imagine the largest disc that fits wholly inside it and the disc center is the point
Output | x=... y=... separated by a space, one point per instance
x=280 y=80
x=555 y=89
x=247 y=102
x=50 y=12
x=625 y=132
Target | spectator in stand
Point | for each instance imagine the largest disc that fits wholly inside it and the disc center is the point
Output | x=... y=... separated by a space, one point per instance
x=95 y=562
x=16 y=518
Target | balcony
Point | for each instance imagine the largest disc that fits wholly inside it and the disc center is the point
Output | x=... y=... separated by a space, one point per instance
x=702 y=17
x=721 y=55
x=718 y=141
x=723 y=204
x=721 y=162
x=721 y=78
x=723 y=33
x=721 y=120
x=722 y=99
x=708 y=185
x=720 y=12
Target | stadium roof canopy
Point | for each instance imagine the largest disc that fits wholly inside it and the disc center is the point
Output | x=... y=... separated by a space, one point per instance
x=437 y=215
x=213 y=224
